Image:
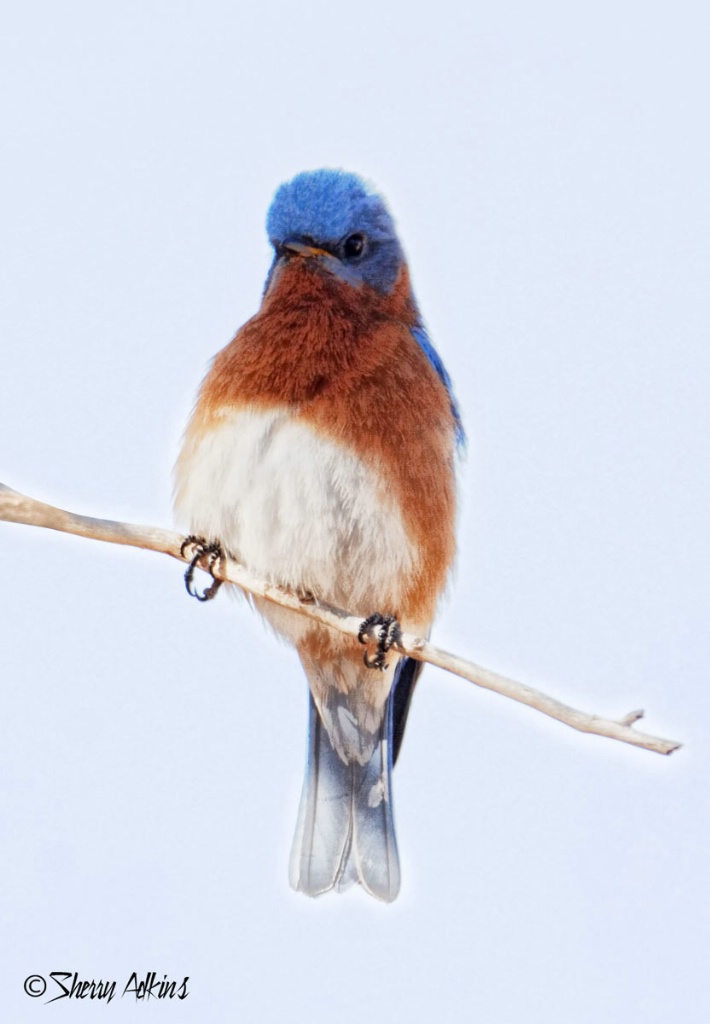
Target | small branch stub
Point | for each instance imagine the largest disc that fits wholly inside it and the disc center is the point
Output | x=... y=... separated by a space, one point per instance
x=17 y=508
x=633 y=716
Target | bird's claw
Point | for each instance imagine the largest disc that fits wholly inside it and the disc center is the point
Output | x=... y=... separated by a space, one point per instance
x=212 y=553
x=386 y=630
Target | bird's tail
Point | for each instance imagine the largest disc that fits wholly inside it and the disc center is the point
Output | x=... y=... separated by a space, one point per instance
x=345 y=830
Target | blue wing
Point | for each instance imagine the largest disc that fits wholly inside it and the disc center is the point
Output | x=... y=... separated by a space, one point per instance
x=422 y=338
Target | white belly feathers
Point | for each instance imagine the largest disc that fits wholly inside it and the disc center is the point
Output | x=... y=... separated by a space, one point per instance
x=296 y=509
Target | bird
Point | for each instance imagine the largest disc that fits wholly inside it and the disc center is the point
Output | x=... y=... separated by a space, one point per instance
x=321 y=454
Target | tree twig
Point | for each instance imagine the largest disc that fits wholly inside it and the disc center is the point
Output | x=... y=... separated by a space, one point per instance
x=17 y=508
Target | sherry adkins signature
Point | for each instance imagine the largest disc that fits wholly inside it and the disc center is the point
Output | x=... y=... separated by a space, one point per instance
x=71 y=986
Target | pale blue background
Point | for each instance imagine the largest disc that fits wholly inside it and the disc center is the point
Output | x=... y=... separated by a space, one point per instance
x=547 y=165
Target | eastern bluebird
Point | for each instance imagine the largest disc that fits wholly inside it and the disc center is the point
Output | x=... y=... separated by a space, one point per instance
x=321 y=455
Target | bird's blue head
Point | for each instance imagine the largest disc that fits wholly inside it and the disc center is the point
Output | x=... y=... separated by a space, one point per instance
x=335 y=215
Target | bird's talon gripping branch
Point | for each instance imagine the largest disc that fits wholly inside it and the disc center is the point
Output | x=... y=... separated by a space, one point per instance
x=386 y=630
x=202 y=549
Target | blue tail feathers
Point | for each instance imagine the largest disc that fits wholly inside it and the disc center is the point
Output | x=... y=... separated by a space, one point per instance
x=345 y=831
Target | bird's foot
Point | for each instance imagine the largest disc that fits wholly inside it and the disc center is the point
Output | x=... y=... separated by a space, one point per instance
x=386 y=630
x=212 y=554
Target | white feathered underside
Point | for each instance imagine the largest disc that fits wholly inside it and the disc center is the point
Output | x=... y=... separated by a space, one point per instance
x=296 y=509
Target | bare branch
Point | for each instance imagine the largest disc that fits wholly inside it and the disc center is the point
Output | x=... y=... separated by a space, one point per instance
x=17 y=508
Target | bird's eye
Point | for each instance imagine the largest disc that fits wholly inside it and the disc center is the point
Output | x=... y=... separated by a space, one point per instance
x=354 y=246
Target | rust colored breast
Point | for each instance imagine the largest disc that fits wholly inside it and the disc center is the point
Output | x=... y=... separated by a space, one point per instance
x=345 y=361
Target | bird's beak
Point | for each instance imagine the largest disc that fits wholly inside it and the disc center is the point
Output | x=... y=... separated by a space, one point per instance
x=299 y=249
